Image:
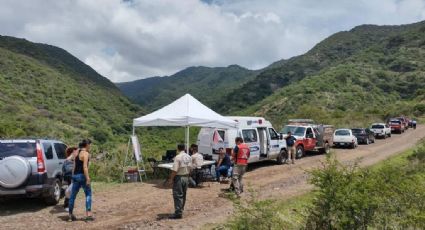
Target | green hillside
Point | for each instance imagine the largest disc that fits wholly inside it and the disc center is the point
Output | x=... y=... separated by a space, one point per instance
x=338 y=49
x=209 y=85
x=381 y=77
x=45 y=91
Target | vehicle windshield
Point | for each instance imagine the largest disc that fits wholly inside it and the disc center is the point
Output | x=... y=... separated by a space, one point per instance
x=18 y=149
x=288 y=128
x=342 y=132
x=299 y=131
x=357 y=131
x=377 y=127
x=395 y=122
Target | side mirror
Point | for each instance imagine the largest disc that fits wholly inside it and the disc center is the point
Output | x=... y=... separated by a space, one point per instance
x=280 y=136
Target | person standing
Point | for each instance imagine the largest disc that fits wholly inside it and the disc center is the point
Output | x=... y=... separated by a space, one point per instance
x=67 y=170
x=290 y=144
x=197 y=162
x=223 y=164
x=81 y=178
x=179 y=179
x=240 y=156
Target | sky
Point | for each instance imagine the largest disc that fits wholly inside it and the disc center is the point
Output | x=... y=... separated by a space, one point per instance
x=127 y=40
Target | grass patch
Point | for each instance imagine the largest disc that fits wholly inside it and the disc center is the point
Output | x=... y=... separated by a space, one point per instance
x=386 y=195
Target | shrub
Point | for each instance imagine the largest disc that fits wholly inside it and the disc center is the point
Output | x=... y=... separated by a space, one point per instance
x=349 y=197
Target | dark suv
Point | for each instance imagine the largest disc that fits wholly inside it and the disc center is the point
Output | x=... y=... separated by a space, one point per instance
x=365 y=136
x=31 y=168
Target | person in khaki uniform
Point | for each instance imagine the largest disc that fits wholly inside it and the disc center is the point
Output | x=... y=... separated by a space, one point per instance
x=179 y=179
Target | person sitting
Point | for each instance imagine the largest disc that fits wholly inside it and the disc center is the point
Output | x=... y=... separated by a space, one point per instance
x=197 y=162
x=223 y=165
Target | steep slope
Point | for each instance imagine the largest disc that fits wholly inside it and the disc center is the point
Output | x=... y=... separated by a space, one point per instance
x=45 y=91
x=333 y=51
x=209 y=85
x=382 y=79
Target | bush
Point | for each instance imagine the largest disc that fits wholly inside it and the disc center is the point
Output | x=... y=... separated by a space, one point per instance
x=257 y=215
x=350 y=197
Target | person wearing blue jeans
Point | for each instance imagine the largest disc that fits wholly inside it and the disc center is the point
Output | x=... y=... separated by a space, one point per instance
x=223 y=164
x=80 y=179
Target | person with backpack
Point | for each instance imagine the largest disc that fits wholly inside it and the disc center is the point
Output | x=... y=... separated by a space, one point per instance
x=81 y=178
x=67 y=168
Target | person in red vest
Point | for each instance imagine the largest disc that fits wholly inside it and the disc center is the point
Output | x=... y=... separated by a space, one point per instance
x=240 y=156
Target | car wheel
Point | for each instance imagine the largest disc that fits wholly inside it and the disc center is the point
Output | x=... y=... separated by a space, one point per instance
x=299 y=152
x=281 y=158
x=54 y=194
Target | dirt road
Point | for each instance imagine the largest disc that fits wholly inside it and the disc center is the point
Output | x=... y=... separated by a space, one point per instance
x=142 y=206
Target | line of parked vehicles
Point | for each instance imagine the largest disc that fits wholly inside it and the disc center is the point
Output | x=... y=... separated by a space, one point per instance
x=267 y=144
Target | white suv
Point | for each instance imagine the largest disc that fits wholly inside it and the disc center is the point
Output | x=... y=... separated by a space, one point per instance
x=381 y=130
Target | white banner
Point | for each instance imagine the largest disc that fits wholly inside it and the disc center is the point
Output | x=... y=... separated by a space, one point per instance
x=136 y=147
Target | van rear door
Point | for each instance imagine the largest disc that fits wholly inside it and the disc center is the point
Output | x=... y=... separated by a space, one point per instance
x=274 y=142
x=250 y=137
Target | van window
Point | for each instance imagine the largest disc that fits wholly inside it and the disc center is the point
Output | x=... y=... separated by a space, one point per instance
x=249 y=135
x=18 y=149
x=48 y=150
x=221 y=133
x=60 y=150
x=273 y=134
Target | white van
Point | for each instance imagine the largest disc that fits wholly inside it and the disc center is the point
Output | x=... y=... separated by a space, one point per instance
x=264 y=142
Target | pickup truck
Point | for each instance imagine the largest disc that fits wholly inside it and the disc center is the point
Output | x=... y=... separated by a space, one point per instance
x=397 y=126
x=310 y=137
x=345 y=138
x=381 y=130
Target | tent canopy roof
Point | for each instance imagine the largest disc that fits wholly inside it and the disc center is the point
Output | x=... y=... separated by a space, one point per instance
x=185 y=111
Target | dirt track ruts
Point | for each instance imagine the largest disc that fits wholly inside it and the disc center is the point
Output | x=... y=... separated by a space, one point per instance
x=141 y=206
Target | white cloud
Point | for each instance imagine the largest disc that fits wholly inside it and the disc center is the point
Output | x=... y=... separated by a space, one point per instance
x=126 y=40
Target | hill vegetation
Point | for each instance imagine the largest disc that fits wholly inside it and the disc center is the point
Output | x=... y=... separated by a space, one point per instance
x=206 y=84
x=384 y=78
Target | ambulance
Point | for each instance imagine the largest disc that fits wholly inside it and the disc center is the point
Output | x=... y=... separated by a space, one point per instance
x=264 y=142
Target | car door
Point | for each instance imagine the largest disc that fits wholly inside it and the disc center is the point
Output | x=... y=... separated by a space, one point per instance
x=50 y=159
x=60 y=150
x=274 y=142
x=310 y=139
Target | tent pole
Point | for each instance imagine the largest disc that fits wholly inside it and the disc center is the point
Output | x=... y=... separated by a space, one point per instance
x=187 y=139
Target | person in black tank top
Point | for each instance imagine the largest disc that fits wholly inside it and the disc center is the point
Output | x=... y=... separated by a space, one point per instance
x=80 y=179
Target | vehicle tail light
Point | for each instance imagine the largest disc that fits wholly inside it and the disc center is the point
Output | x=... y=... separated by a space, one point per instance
x=41 y=167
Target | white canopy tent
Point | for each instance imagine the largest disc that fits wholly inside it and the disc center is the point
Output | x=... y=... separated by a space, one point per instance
x=185 y=112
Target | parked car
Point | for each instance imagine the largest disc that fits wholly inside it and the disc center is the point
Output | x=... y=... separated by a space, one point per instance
x=345 y=138
x=310 y=137
x=364 y=135
x=381 y=130
x=31 y=168
x=397 y=126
